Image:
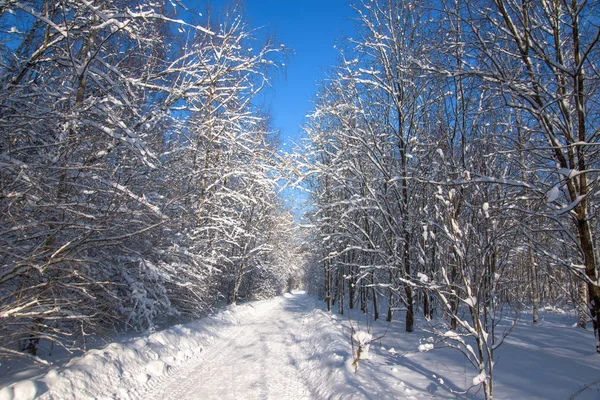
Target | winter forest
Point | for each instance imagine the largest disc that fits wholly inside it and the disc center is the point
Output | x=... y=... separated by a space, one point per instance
x=139 y=182
x=450 y=171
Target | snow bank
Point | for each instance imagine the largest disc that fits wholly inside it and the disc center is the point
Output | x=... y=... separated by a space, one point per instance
x=126 y=370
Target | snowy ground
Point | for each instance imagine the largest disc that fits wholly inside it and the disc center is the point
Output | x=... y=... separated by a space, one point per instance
x=289 y=348
x=552 y=360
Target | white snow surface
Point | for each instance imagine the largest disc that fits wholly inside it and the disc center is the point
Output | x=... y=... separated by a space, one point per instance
x=290 y=348
x=283 y=348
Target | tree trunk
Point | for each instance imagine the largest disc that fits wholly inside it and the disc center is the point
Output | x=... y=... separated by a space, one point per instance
x=327 y=286
x=426 y=310
x=351 y=291
x=535 y=296
x=582 y=306
x=390 y=312
x=341 y=284
x=410 y=319
x=453 y=301
x=375 y=307
x=237 y=284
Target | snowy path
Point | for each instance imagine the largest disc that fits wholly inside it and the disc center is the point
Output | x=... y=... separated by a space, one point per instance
x=260 y=359
x=282 y=348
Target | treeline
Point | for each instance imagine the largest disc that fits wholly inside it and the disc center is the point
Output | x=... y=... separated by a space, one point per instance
x=453 y=165
x=138 y=180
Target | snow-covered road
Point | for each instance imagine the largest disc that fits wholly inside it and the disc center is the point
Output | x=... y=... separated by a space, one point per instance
x=259 y=359
x=282 y=348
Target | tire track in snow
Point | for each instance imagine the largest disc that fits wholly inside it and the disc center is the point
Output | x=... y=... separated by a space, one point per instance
x=217 y=342
x=260 y=359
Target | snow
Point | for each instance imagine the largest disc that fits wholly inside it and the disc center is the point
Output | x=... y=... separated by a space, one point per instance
x=425 y=347
x=452 y=335
x=471 y=301
x=422 y=277
x=486 y=208
x=479 y=378
x=571 y=205
x=284 y=353
x=24 y=390
x=553 y=194
x=455 y=227
x=261 y=345
x=125 y=369
x=363 y=339
x=569 y=173
x=6 y=393
x=290 y=348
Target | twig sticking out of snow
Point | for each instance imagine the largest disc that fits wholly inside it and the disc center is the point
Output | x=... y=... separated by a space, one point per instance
x=363 y=339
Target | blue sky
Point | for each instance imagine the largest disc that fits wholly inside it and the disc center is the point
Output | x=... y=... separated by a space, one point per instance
x=310 y=28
